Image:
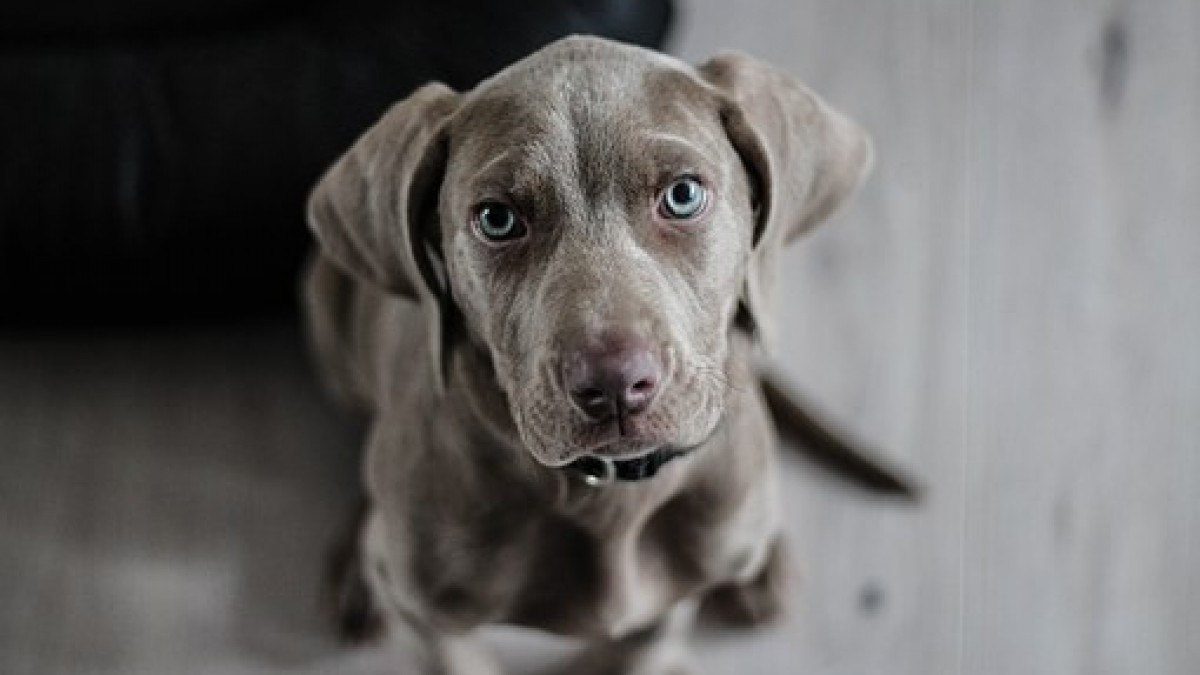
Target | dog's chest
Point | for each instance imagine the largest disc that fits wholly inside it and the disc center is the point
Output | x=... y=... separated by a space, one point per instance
x=604 y=575
x=608 y=581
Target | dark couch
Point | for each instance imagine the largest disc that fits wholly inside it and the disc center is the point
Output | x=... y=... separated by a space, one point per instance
x=156 y=156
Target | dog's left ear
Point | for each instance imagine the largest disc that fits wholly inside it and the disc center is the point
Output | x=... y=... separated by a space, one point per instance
x=374 y=212
x=804 y=159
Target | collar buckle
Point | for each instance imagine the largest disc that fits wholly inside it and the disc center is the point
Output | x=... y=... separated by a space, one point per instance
x=595 y=471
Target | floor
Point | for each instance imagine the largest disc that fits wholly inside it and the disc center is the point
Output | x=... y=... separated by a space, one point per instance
x=1010 y=308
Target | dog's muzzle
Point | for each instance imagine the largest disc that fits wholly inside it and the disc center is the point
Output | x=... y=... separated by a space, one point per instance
x=598 y=471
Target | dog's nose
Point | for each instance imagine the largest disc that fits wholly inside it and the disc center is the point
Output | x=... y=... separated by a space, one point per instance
x=619 y=377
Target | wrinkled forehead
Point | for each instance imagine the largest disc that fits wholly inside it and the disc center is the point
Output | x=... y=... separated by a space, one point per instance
x=599 y=119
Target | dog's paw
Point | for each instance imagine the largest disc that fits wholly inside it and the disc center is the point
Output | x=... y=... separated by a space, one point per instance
x=756 y=602
x=348 y=598
x=659 y=649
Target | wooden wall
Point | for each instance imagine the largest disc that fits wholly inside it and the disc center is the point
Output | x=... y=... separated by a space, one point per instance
x=1012 y=306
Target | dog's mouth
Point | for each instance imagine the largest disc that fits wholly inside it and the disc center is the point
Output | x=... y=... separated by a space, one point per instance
x=621 y=438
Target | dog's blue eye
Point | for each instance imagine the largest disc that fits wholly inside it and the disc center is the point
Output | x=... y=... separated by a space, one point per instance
x=684 y=198
x=498 y=222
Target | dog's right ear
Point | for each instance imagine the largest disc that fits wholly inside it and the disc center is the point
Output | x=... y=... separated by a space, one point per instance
x=374 y=212
x=371 y=210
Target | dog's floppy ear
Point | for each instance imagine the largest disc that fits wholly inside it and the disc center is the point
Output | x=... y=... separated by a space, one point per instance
x=804 y=159
x=374 y=210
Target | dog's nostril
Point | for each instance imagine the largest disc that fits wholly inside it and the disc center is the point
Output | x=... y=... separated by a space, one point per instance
x=638 y=396
x=594 y=402
x=589 y=394
x=591 y=397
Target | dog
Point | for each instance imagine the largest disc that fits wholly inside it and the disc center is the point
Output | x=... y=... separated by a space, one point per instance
x=546 y=294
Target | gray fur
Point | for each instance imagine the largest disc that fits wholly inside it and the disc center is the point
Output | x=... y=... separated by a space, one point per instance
x=453 y=346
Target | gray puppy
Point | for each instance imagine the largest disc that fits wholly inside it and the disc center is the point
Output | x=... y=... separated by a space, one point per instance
x=546 y=294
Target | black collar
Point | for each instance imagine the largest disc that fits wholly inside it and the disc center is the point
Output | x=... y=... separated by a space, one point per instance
x=597 y=471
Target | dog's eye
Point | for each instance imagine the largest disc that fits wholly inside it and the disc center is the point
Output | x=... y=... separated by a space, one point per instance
x=684 y=198
x=498 y=222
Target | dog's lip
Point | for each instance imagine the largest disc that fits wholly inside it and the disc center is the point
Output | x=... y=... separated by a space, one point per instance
x=610 y=443
x=622 y=449
x=617 y=450
x=605 y=441
x=635 y=448
x=613 y=448
x=598 y=471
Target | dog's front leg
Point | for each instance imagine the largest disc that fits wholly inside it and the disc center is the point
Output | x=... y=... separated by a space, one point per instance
x=424 y=651
x=757 y=601
x=660 y=649
x=366 y=610
x=421 y=650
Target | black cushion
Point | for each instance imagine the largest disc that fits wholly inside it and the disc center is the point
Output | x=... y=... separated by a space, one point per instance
x=156 y=156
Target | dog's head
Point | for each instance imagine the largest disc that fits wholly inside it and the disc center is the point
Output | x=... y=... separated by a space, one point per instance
x=598 y=218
